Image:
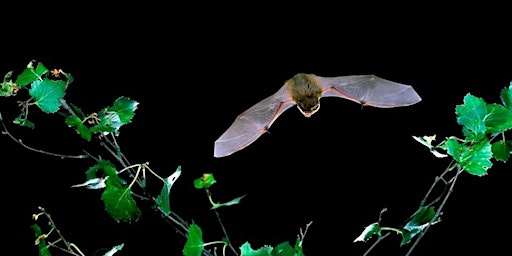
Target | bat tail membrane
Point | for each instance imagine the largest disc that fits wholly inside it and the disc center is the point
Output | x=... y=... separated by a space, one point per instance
x=370 y=90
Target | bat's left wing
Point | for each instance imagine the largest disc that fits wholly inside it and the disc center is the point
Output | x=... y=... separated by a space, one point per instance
x=369 y=90
x=253 y=122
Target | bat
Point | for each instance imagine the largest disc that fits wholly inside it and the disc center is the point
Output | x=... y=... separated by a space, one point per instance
x=305 y=91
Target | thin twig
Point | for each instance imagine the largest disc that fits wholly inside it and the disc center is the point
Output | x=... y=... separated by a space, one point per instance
x=438 y=212
x=6 y=132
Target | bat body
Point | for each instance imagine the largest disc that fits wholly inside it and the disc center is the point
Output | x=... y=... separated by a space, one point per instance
x=305 y=91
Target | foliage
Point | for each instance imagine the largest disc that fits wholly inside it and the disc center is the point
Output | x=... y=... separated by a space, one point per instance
x=482 y=142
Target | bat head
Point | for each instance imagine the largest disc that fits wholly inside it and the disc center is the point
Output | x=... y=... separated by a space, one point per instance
x=308 y=111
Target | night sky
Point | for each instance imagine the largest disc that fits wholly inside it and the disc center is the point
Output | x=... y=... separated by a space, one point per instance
x=193 y=75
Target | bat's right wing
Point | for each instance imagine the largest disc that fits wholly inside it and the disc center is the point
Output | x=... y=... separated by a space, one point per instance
x=369 y=90
x=252 y=123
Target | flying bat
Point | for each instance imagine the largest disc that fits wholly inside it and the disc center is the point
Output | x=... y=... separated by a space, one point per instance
x=305 y=91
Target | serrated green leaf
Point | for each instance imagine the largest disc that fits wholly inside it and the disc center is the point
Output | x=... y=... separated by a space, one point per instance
x=206 y=181
x=506 y=96
x=194 y=245
x=112 y=118
x=47 y=94
x=246 y=250
x=163 y=199
x=78 y=111
x=125 y=108
x=40 y=241
x=453 y=148
x=421 y=219
x=498 y=118
x=471 y=115
x=476 y=159
x=29 y=74
x=501 y=150
x=80 y=128
x=368 y=232
x=283 y=249
x=117 y=196
x=119 y=202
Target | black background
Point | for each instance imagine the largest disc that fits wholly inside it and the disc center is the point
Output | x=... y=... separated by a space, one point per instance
x=194 y=69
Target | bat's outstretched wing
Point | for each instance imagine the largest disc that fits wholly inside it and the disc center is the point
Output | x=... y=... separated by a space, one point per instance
x=252 y=123
x=369 y=90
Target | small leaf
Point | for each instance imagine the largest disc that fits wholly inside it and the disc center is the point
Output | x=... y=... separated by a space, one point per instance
x=47 y=94
x=163 y=199
x=8 y=88
x=298 y=247
x=125 y=108
x=22 y=120
x=80 y=128
x=246 y=250
x=29 y=74
x=114 y=250
x=41 y=241
x=232 y=202
x=205 y=181
x=112 y=118
x=194 y=245
x=117 y=196
x=453 y=148
x=501 y=150
x=498 y=118
x=471 y=115
x=423 y=217
x=95 y=183
x=368 y=232
x=119 y=202
x=506 y=96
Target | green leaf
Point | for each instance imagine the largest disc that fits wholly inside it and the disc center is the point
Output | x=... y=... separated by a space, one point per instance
x=117 y=196
x=29 y=74
x=125 y=108
x=283 y=249
x=298 y=247
x=194 y=245
x=22 y=120
x=232 y=202
x=112 y=118
x=47 y=94
x=8 y=88
x=246 y=250
x=501 y=150
x=453 y=148
x=498 y=118
x=80 y=128
x=476 y=159
x=205 y=181
x=368 y=232
x=506 y=96
x=40 y=241
x=163 y=199
x=471 y=115
x=423 y=217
